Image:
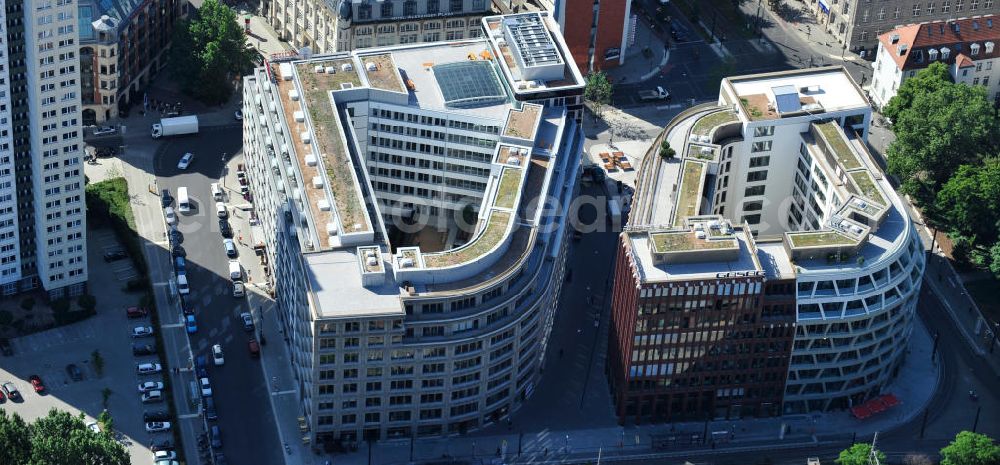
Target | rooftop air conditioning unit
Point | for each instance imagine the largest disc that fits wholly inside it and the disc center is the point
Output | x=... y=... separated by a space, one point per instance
x=331 y=229
x=293 y=94
x=318 y=68
x=371 y=261
x=299 y=116
x=513 y=160
x=371 y=66
x=406 y=262
x=369 y=253
x=700 y=234
x=346 y=67
x=305 y=137
x=317 y=182
x=311 y=159
x=323 y=205
x=331 y=70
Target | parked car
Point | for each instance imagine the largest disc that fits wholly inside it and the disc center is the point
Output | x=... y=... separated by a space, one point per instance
x=176 y=237
x=105 y=131
x=217 y=356
x=165 y=444
x=216 y=437
x=247 y=321
x=136 y=312
x=169 y=214
x=93 y=426
x=230 y=248
x=74 y=372
x=206 y=387
x=143 y=349
x=185 y=161
x=152 y=396
x=148 y=368
x=224 y=228
x=220 y=210
x=156 y=415
x=36 y=383
x=178 y=251
x=190 y=324
x=239 y=290
x=188 y=308
x=254 y=348
x=115 y=255
x=210 y=413
x=157 y=426
x=165 y=199
x=142 y=331
x=11 y=391
x=201 y=366
x=150 y=386
x=164 y=455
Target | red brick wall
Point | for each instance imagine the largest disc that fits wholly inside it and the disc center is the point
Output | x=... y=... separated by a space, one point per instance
x=610 y=27
x=579 y=16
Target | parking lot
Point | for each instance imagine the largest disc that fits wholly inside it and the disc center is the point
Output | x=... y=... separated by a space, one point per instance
x=48 y=354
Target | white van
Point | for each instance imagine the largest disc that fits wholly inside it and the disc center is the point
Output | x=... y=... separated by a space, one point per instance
x=235 y=271
x=220 y=209
x=183 y=202
x=182 y=284
x=216 y=191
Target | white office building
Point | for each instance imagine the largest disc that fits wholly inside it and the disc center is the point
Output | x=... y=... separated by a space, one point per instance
x=42 y=209
x=397 y=193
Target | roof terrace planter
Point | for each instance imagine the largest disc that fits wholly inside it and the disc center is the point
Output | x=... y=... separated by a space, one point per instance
x=383 y=75
x=508 y=188
x=329 y=139
x=866 y=186
x=490 y=237
x=799 y=240
x=686 y=247
x=706 y=124
x=838 y=146
x=689 y=191
x=523 y=123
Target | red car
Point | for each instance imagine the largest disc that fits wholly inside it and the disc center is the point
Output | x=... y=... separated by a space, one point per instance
x=36 y=383
x=254 y=348
x=136 y=312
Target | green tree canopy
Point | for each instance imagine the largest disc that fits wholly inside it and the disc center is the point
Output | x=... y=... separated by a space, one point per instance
x=930 y=79
x=56 y=439
x=970 y=448
x=968 y=202
x=208 y=52
x=598 y=91
x=858 y=455
x=939 y=132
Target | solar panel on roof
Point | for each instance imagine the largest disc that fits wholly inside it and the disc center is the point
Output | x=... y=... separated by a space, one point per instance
x=786 y=98
x=466 y=84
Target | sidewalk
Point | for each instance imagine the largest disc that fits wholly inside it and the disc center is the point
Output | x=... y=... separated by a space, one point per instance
x=808 y=30
x=637 y=67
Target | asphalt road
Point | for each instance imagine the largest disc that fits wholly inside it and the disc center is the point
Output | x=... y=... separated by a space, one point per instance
x=249 y=432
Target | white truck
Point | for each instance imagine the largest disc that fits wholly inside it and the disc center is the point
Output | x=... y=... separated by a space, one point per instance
x=175 y=126
x=659 y=94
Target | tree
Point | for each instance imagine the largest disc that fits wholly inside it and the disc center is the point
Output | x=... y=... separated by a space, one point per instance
x=208 y=51
x=56 y=439
x=858 y=455
x=98 y=360
x=995 y=259
x=929 y=80
x=966 y=203
x=666 y=151
x=970 y=448
x=105 y=420
x=598 y=91
x=941 y=131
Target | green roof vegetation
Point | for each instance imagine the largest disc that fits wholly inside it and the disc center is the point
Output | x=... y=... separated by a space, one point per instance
x=496 y=226
x=328 y=81
x=689 y=191
x=685 y=241
x=866 y=184
x=510 y=180
x=707 y=123
x=336 y=160
x=839 y=146
x=819 y=239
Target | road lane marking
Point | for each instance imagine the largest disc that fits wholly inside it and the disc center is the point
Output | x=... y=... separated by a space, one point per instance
x=282 y=393
x=172 y=325
x=188 y=416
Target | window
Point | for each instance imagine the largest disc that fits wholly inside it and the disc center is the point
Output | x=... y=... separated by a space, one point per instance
x=959 y=5
x=975 y=81
x=455 y=6
x=895 y=14
x=754 y=190
x=761 y=146
x=755 y=176
x=364 y=11
x=974 y=5
x=753 y=206
x=930 y=8
x=916 y=9
x=864 y=16
x=945 y=6
x=986 y=81
x=751 y=219
x=387 y=10
x=757 y=162
x=432 y=7
x=881 y=13
x=409 y=8
x=762 y=131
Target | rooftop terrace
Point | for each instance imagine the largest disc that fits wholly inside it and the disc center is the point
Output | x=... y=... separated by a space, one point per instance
x=383 y=75
x=521 y=123
x=689 y=192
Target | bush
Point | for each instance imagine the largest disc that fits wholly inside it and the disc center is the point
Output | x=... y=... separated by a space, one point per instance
x=108 y=203
x=87 y=302
x=961 y=248
x=60 y=305
x=28 y=303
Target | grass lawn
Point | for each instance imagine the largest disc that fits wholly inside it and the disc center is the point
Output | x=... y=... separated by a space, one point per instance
x=690 y=192
x=839 y=146
x=987 y=297
x=707 y=123
x=819 y=238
